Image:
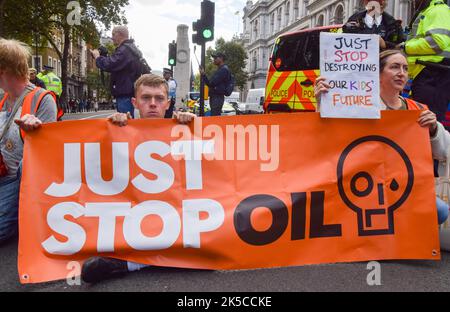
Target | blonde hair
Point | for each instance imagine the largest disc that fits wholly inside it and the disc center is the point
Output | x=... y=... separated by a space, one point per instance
x=14 y=57
x=151 y=80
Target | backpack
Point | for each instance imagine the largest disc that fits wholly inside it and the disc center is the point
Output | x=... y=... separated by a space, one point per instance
x=229 y=87
x=144 y=68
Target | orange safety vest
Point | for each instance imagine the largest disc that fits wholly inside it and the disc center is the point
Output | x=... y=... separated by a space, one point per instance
x=32 y=102
x=413 y=105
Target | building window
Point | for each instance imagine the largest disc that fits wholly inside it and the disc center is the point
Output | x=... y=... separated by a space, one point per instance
x=320 y=20
x=255 y=62
x=50 y=61
x=304 y=5
x=280 y=12
x=286 y=13
x=272 y=23
x=59 y=69
x=296 y=16
x=37 y=65
x=255 y=29
x=339 y=15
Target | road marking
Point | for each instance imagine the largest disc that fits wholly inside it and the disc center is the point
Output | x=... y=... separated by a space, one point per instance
x=98 y=115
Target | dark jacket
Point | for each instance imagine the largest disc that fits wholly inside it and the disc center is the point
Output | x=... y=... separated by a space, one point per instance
x=390 y=29
x=218 y=81
x=38 y=83
x=124 y=67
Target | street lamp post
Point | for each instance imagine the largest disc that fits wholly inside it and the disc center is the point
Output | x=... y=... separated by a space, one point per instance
x=36 y=56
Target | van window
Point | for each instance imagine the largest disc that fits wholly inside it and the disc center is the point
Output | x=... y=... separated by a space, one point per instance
x=297 y=52
x=284 y=53
x=309 y=57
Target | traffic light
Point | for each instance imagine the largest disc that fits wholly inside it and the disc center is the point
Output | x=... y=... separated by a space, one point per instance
x=172 y=54
x=196 y=27
x=204 y=27
x=207 y=17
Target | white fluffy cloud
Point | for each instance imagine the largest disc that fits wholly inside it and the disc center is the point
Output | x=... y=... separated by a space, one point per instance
x=153 y=24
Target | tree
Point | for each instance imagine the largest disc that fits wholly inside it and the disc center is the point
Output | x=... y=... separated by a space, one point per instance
x=197 y=82
x=95 y=82
x=22 y=20
x=236 y=60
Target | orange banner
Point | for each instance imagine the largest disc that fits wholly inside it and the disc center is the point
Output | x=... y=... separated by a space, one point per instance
x=227 y=193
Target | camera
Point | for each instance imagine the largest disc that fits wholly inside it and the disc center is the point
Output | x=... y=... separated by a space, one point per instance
x=352 y=27
x=103 y=51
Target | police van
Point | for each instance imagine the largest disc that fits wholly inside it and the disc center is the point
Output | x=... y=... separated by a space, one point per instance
x=293 y=69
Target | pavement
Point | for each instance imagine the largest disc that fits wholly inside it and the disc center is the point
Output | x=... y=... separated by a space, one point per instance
x=402 y=276
x=88 y=115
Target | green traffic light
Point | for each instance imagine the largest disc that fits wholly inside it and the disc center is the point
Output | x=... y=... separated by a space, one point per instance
x=207 y=33
x=171 y=61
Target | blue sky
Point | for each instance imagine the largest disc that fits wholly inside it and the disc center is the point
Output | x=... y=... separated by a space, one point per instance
x=153 y=24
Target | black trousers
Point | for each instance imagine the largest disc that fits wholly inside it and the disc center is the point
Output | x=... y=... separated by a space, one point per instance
x=216 y=104
x=432 y=87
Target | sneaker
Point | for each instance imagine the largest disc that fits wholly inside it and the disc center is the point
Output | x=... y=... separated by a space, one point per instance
x=96 y=269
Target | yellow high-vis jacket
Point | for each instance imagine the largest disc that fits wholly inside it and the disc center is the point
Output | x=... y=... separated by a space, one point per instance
x=429 y=39
x=52 y=82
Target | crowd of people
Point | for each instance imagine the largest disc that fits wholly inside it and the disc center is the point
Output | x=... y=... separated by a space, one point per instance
x=83 y=105
x=152 y=96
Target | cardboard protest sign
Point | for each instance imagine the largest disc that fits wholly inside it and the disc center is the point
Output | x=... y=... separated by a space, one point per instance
x=226 y=193
x=350 y=63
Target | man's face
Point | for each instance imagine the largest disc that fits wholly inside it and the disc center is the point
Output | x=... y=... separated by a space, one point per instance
x=116 y=38
x=375 y=6
x=152 y=102
x=32 y=76
x=217 y=60
x=166 y=76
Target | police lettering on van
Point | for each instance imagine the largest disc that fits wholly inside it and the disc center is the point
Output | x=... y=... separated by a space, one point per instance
x=293 y=69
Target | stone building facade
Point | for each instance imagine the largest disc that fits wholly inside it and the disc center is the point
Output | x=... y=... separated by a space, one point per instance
x=265 y=20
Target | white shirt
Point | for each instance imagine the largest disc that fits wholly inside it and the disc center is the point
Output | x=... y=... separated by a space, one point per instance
x=172 y=88
x=370 y=21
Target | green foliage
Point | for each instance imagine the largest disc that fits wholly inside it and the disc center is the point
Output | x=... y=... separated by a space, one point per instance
x=25 y=20
x=197 y=82
x=236 y=60
x=21 y=18
x=94 y=82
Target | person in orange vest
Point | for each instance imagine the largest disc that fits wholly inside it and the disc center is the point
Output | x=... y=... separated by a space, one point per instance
x=23 y=107
x=393 y=78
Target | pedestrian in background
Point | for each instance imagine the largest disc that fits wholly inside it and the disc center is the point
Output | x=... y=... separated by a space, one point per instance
x=51 y=81
x=35 y=80
x=218 y=83
x=168 y=73
x=428 y=51
x=124 y=66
